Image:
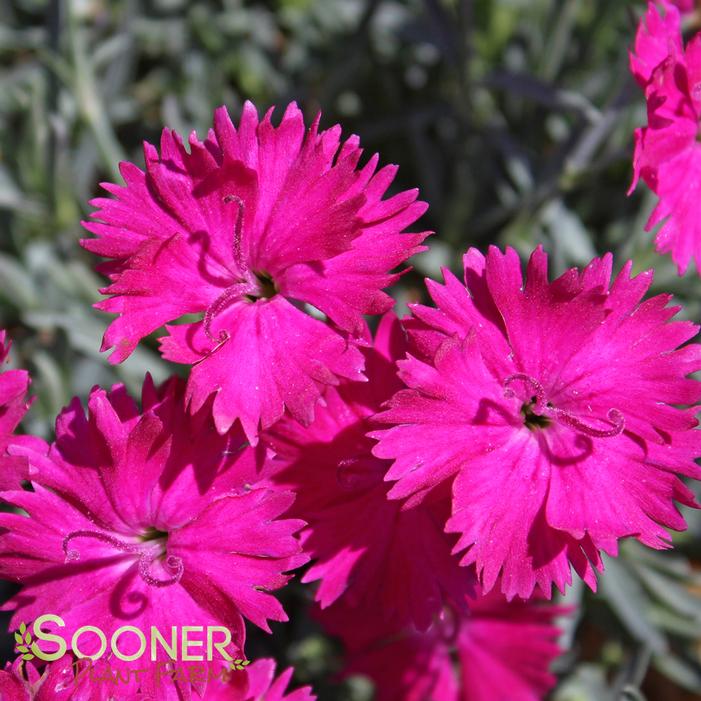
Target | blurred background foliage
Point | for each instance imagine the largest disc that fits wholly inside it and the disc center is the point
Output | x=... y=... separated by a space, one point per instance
x=513 y=117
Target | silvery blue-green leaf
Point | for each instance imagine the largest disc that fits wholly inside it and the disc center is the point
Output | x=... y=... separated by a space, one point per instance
x=685 y=674
x=48 y=381
x=631 y=604
x=670 y=592
x=588 y=683
x=17 y=287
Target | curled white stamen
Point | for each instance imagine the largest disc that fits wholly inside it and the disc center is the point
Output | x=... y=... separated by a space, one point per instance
x=72 y=555
x=230 y=294
x=241 y=263
x=538 y=406
x=146 y=556
x=172 y=563
x=535 y=386
x=613 y=416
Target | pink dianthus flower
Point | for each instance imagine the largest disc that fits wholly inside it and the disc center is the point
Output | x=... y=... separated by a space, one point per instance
x=684 y=6
x=503 y=651
x=21 y=681
x=366 y=547
x=147 y=518
x=658 y=37
x=13 y=406
x=63 y=680
x=556 y=409
x=667 y=150
x=249 y=230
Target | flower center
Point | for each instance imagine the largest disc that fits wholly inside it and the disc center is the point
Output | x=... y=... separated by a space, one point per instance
x=150 y=547
x=538 y=413
x=531 y=419
x=151 y=534
x=265 y=287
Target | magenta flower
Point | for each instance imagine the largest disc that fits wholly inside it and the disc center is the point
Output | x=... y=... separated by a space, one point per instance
x=667 y=151
x=684 y=6
x=366 y=548
x=658 y=37
x=257 y=683
x=554 y=410
x=144 y=519
x=503 y=652
x=64 y=680
x=14 y=385
x=21 y=681
x=248 y=230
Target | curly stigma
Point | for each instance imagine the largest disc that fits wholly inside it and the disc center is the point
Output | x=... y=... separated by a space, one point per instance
x=146 y=554
x=540 y=413
x=251 y=285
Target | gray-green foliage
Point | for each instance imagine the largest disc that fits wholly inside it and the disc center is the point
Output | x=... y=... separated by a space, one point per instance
x=514 y=117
